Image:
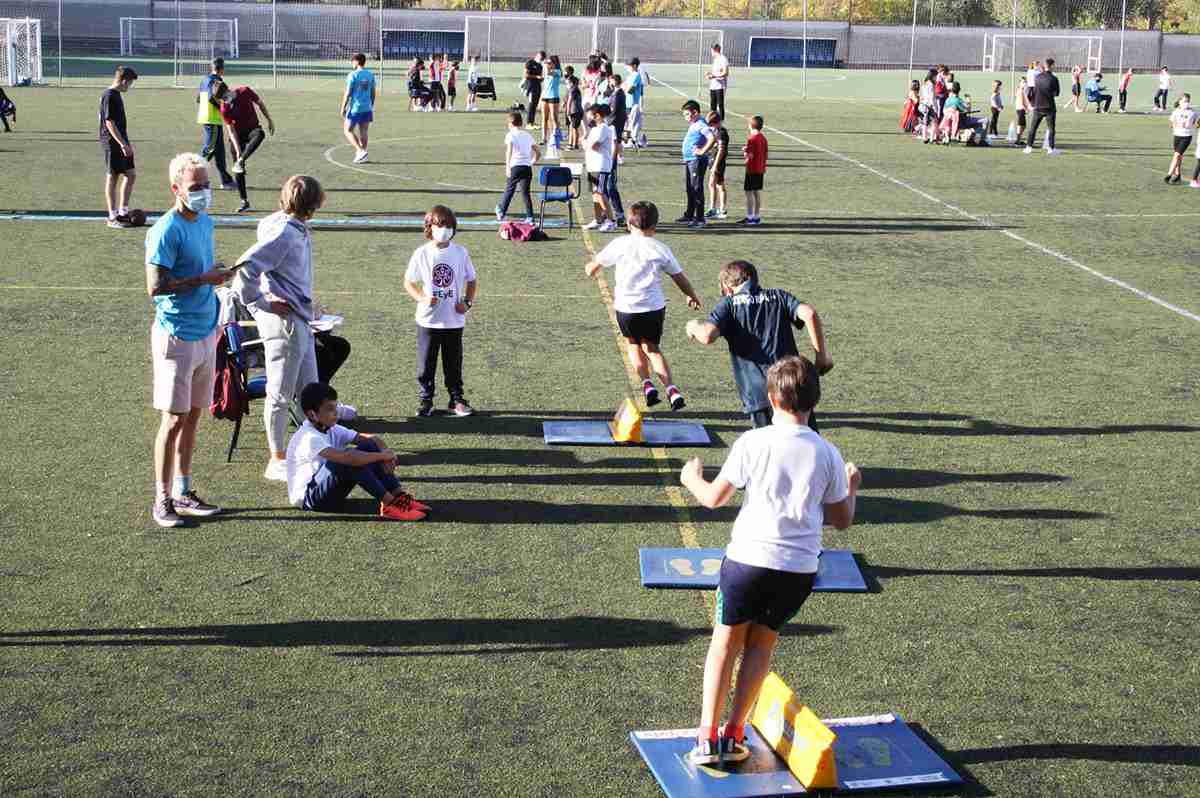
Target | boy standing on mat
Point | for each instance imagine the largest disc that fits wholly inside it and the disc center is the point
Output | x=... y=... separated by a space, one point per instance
x=358 y=106
x=638 y=297
x=757 y=324
x=322 y=469
x=245 y=131
x=795 y=481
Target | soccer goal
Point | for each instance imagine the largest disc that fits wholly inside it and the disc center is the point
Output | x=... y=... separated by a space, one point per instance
x=666 y=45
x=21 y=54
x=791 y=51
x=1015 y=50
x=191 y=38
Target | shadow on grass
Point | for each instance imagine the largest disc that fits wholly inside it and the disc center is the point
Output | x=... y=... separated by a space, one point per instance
x=477 y=635
x=979 y=427
x=1188 y=755
x=844 y=227
x=1164 y=573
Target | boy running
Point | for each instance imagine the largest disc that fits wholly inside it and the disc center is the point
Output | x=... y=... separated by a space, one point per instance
x=1183 y=126
x=716 y=176
x=638 y=297
x=245 y=131
x=795 y=482
x=358 y=106
x=755 y=153
x=117 y=148
x=757 y=323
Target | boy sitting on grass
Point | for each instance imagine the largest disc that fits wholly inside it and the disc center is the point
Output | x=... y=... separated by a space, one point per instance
x=638 y=296
x=795 y=482
x=322 y=470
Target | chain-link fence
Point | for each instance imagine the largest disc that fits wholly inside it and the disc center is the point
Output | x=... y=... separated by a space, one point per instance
x=286 y=43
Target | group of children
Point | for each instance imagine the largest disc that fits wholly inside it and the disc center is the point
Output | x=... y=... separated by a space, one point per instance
x=433 y=84
x=936 y=111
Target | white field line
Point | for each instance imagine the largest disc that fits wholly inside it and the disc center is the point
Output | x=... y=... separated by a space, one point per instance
x=130 y=289
x=1051 y=253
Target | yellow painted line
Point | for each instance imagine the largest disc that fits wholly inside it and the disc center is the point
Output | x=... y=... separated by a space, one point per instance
x=687 y=526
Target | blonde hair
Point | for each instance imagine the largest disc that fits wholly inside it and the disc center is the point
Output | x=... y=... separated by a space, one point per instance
x=300 y=196
x=184 y=162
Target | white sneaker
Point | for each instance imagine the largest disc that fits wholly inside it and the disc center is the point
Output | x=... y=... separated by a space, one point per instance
x=361 y=157
x=276 y=470
x=608 y=226
x=592 y=225
x=238 y=168
x=346 y=412
x=1029 y=150
x=1054 y=152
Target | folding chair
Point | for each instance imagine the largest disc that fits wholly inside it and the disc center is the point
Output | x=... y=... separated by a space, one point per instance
x=255 y=387
x=561 y=178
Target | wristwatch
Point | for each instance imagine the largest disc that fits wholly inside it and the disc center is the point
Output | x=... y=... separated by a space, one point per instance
x=468 y=303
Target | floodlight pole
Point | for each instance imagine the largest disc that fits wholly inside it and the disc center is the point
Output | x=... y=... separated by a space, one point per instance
x=178 y=32
x=912 y=45
x=596 y=29
x=1121 y=57
x=1012 y=78
x=274 y=47
x=700 y=55
x=60 y=83
x=381 y=45
x=804 y=51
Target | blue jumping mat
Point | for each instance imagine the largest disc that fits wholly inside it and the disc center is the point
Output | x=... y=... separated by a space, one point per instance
x=698 y=569
x=596 y=433
x=872 y=753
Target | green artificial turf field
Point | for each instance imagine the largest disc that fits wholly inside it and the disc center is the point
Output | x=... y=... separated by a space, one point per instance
x=1015 y=340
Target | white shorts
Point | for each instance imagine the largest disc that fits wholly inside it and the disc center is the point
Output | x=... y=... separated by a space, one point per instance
x=184 y=371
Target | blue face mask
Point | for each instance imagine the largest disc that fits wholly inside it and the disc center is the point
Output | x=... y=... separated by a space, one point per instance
x=199 y=201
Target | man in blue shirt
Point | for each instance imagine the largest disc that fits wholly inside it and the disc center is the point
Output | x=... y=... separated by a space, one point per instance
x=635 y=89
x=757 y=325
x=358 y=106
x=697 y=143
x=1095 y=93
x=180 y=275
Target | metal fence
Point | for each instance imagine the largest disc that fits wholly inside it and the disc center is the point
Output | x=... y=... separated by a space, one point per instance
x=170 y=41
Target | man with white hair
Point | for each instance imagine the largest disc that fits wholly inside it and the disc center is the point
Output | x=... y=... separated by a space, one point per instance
x=180 y=274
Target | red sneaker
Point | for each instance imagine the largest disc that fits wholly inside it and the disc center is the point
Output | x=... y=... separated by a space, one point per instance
x=401 y=510
x=420 y=505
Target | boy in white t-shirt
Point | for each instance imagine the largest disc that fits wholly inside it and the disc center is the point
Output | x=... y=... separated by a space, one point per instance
x=472 y=80
x=599 y=150
x=520 y=154
x=1165 y=84
x=795 y=482
x=441 y=280
x=1183 y=127
x=322 y=469
x=638 y=297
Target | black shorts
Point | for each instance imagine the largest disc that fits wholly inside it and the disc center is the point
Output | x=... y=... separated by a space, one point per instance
x=1182 y=143
x=115 y=161
x=577 y=119
x=750 y=594
x=719 y=171
x=753 y=182
x=550 y=100
x=1021 y=119
x=1075 y=89
x=647 y=326
x=452 y=91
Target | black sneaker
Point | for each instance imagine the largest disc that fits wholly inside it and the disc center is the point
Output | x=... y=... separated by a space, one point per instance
x=676 y=400
x=245 y=206
x=652 y=397
x=731 y=750
x=1177 y=179
x=425 y=408
x=164 y=513
x=191 y=504
x=705 y=752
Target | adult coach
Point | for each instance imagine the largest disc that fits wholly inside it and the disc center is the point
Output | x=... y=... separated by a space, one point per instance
x=245 y=131
x=1045 y=106
x=117 y=148
x=718 y=81
x=358 y=106
x=180 y=274
x=208 y=116
x=533 y=86
x=757 y=323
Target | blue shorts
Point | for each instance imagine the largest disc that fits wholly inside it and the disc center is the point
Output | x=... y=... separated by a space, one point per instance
x=360 y=119
x=750 y=594
x=601 y=182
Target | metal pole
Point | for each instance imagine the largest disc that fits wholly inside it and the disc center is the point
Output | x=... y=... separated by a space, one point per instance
x=381 y=60
x=596 y=29
x=178 y=32
x=804 y=50
x=912 y=44
x=1121 y=57
x=60 y=78
x=1012 y=78
x=274 y=47
x=700 y=55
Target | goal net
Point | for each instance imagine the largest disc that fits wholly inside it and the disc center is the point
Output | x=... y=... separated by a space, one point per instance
x=515 y=39
x=188 y=38
x=1002 y=51
x=21 y=53
x=666 y=45
x=791 y=51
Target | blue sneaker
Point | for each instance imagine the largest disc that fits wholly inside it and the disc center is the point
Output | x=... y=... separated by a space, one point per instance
x=706 y=752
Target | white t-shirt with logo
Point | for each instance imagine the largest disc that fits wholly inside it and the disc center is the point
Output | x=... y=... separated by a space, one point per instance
x=522 y=147
x=1183 y=121
x=599 y=161
x=444 y=274
x=787 y=471
x=720 y=65
x=1164 y=80
x=638 y=260
x=304 y=459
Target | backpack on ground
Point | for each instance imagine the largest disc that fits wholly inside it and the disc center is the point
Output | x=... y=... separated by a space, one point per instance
x=521 y=231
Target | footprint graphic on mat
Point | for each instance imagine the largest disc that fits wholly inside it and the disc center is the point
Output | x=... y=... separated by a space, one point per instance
x=710 y=566
x=685 y=567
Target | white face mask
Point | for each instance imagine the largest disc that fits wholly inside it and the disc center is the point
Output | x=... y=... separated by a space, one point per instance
x=441 y=234
x=199 y=201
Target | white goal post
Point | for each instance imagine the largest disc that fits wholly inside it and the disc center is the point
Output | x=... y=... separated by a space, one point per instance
x=1016 y=50
x=666 y=45
x=202 y=38
x=20 y=51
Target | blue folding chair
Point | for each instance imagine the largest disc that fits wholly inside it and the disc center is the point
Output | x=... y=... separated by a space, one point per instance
x=255 y=387
x=561 y=179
